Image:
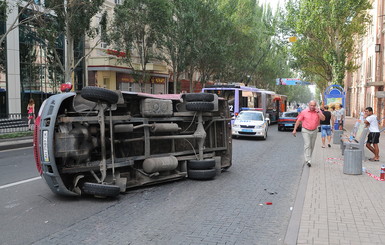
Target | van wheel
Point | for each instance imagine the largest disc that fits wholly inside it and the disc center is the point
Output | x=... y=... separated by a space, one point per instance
x=200 y=106
x=207 y=174
x=199 y=97
x=100 y=189
x=99 y=94
x=201 y=164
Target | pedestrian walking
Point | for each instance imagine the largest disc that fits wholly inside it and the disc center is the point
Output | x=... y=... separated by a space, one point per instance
x=327 y=126
x=374 y=134
x=310 y=119
x=334 y=114
x=31 y=113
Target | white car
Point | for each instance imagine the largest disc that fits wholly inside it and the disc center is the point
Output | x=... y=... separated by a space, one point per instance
x=250 y=123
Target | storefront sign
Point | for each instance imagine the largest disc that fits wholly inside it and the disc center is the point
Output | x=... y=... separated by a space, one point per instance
x=158 y=80
x=116 y=53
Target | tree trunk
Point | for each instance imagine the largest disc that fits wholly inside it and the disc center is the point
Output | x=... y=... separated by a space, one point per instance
x=70 y=55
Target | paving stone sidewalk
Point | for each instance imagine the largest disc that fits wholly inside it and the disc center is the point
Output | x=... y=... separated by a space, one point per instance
x=341 y=208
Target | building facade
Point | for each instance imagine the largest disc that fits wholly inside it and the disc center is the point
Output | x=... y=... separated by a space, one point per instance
x=27 y=71
x=365 y=86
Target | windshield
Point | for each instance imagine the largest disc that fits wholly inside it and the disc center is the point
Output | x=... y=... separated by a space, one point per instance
x=250 y=116
x=290 y=114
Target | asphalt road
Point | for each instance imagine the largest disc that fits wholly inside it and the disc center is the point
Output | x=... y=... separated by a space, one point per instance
x=228 y=210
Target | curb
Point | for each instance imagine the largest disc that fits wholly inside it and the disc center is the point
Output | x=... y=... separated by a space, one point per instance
x=8 y=144
x=296 y=215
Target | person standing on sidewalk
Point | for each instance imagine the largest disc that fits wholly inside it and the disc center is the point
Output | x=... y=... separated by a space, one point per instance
x=326 y=127
x=31 y=113
x=341 y=117
x=310 y=119
x=374 y=134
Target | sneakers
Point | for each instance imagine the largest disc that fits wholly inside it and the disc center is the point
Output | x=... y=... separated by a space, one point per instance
x=308 y=164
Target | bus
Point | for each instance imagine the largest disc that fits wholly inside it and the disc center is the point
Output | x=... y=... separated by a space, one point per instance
x=241 y=97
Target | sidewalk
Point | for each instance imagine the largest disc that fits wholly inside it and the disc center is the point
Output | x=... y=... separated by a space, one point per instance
x=340 y=208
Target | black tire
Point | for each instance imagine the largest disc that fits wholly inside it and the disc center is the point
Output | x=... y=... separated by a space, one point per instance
x=99 y=94
x=199 y=97
x=279 y=128
x=207 y=174
x=199 y=106
x=201 y=164
x=101 y=190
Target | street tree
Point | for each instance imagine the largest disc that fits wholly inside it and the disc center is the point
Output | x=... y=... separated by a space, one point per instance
x=138 y=31
x=326 y=31
x=178 y=37
x=255 y=56
x=5 y=9
x=71 y=20
x=54 y=21
x=21 y=7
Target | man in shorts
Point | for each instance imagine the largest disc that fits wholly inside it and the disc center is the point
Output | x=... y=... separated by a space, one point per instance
x=374 y=134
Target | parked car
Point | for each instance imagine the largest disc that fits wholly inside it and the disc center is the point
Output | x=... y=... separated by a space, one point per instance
x=287 y=120
x=102 y=142
x=250 y=123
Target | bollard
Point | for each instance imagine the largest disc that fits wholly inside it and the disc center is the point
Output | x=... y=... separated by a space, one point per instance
x=337 y=136
x=352 y=161
x=382 y=172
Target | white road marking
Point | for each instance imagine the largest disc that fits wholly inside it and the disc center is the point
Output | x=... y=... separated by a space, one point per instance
x=19 y=182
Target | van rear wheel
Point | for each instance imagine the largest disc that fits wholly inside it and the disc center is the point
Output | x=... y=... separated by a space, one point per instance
x=201 y=164
x=100 y=189
x=200 y=106
x=207 y=174
x=199 y=97
x=96 y=94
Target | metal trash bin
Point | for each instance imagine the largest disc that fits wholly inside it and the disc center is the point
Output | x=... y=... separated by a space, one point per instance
x=337 y=136
x=353 y=161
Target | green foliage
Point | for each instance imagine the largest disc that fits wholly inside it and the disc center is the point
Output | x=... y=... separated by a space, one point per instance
x=3 y=8
x=326 y=31
x=139 y=26
x=74 y=18
x=69 y=20
x=254 y=49
x=16 y=135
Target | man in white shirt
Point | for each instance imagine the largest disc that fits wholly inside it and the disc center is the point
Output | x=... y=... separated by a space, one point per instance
x=340 y=117
x=374 y=134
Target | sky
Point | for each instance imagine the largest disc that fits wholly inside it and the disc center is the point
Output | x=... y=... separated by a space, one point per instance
x=273 y=3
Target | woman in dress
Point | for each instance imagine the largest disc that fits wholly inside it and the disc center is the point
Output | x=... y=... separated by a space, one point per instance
x=31 y=113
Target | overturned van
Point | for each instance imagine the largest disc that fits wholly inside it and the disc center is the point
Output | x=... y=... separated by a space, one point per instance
x=102 y=142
